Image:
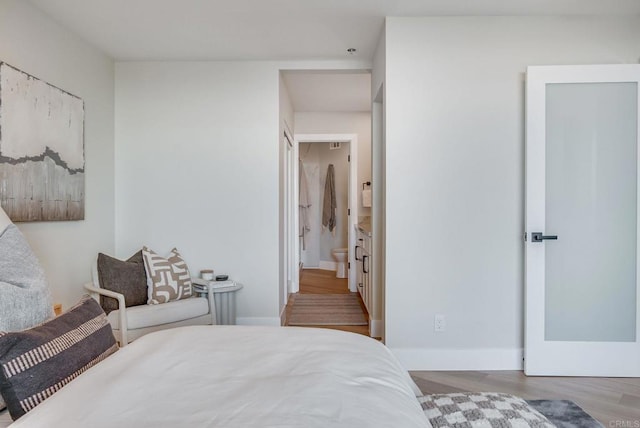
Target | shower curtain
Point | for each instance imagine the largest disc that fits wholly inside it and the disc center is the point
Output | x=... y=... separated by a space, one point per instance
x=303 y=204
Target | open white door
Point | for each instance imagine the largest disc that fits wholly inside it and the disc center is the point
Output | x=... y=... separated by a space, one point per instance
x=581 y=251
x=290 y=219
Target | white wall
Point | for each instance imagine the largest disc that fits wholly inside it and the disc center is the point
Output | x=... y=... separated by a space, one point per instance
x=454 y=175
x=198 y=168
x=208 y=134
x=319 y=241
x=34 y=43
x=358 y=123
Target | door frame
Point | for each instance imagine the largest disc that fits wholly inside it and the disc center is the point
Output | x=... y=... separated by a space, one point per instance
x=535 y=196
x=352 y=219
x=291 y=234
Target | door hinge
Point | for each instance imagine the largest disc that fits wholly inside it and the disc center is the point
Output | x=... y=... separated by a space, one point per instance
x=348 y=265
x=348 y=211
x=525 y=237
x=348 y=158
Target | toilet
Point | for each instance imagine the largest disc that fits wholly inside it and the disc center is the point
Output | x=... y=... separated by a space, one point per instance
x=341 y=255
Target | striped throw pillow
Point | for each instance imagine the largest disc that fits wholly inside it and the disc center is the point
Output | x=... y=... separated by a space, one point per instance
x=37 y=362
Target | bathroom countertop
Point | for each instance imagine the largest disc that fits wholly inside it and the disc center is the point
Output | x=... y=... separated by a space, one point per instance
x=364 y=227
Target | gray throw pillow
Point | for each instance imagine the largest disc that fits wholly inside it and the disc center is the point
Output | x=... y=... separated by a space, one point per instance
x=124 y=277
x=24 y=295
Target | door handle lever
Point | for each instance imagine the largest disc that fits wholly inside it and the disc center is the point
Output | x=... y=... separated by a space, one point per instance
x=539 y=237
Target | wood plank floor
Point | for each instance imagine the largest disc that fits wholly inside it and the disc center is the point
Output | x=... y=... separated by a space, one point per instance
x=615 y=402
x=318 y=281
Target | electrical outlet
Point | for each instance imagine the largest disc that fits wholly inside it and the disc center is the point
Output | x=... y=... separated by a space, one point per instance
x=439 y=323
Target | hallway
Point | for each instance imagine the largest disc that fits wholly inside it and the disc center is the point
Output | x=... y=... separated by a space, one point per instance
x=324 y=282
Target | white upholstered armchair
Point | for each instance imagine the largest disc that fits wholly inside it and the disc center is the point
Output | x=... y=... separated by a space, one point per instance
x=130 y=323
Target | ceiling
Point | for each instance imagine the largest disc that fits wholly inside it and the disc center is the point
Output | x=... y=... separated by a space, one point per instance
x=326 y=92
x=280 y=30
x=273 y=29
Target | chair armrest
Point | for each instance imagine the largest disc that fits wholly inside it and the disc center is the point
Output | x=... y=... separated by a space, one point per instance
x=95 y=290
x=122 y=309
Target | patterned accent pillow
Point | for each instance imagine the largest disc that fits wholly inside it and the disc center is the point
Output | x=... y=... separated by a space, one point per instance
x=167 y=278
x=481 y=410
x=37 y=362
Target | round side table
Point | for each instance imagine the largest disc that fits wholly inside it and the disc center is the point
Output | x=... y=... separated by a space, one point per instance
x=223 y=297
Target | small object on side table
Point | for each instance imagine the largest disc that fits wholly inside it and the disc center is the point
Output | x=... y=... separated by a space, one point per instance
x=222 y=277
x=207 y=274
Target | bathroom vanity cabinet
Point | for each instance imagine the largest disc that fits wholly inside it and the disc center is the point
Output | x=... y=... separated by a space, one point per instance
x=367 y=289
x=363 y=259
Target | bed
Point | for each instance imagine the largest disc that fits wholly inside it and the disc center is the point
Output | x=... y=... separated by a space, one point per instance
x=239 y=376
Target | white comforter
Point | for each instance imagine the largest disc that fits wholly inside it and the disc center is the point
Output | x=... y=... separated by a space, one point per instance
x=231 y=376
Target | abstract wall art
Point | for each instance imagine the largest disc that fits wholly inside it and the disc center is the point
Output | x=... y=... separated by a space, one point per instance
x=41 y=149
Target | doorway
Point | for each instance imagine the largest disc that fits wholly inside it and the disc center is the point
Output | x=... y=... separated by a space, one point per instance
x=325 y=107
x=326 y=295
x=343 y=159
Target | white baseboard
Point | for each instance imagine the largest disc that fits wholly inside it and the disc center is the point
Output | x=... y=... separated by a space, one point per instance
x=258 y=321
x=460 y=359
x=328 y=265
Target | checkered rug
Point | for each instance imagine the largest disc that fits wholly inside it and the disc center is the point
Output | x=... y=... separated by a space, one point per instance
x=481 y=410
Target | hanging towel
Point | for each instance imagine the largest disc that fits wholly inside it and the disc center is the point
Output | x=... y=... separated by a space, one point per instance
x=366 y=198
x=303 y=204
x=329 y=206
